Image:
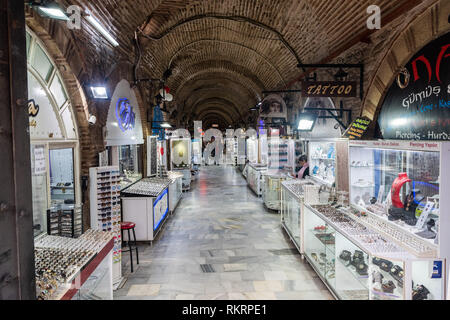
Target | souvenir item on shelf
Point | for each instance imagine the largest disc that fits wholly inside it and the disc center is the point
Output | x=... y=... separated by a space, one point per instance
x=388 y=286
x=420 y=292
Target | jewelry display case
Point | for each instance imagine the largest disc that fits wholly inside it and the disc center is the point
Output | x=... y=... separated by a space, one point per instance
x=281 y=154
x=255 y=177
x=328 y=162
x=105 y=210
x=146 y=203
x=175 y=189
x=356 y=261
x=180 y=153
x=252 y=150
x=292 y=210
x=74 y=269
x=65 y=221
x=180 y=159
x=271 y=192
x=152 y=154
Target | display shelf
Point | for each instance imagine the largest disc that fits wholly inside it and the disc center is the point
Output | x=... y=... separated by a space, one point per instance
x=180 y=153
x=105 y=210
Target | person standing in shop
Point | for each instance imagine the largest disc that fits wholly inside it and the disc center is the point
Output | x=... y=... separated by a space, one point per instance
x=304 y=167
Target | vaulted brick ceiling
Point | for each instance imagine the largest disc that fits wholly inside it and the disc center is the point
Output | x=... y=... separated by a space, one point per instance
x=224 y=53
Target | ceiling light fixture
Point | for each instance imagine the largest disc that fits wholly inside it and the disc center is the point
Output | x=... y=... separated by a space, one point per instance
x=306 y=121
x=98 y=92
x=165 y=125
x=102 y=30
x=49 y=9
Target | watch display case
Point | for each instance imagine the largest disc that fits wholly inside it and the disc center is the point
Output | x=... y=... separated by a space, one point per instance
x=255 y=177
x=272 y=189
x=358 y=262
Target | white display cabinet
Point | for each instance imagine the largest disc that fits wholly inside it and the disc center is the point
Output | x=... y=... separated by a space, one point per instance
x=105 y=210
x=271 y=191
x=322 y=161
x=180 y=159
x=356 y=261
x=152 y=156
x=175 y=190
x=146 y=203
x=255 y=177
x=328 y=162
x=252 y=150
x=292 y=200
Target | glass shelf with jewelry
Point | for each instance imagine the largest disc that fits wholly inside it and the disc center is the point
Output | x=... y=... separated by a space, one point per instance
x=322 y=161
x=367 y=264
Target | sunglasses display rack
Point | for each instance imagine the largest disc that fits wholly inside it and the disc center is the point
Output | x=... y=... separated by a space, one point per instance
x=65 y=221
x=281 y=154
x=105 y=209
x=61 y=261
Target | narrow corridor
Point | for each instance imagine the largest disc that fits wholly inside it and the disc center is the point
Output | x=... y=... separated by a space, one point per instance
x=221 y=244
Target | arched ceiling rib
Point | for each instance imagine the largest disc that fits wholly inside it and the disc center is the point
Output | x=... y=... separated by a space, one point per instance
x=255 y=44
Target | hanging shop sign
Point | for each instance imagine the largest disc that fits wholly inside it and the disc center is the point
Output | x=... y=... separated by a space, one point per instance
x=417 y=106
x=342 y=89
x=124 y=126
x=273 y=106
x=358 y=128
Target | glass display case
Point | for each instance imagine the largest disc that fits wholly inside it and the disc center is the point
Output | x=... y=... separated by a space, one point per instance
x=322 y=161
x=180 y=153
x=252 y=150
x=255 y=177
x=292 y=210
x=357 y=262
x=401 y=186
x=272 y=189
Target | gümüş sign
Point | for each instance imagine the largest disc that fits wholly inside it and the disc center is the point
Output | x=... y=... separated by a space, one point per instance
x=417 y=105
x=125 y=114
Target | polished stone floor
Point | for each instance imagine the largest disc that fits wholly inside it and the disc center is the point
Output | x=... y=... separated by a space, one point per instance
x=221 y=243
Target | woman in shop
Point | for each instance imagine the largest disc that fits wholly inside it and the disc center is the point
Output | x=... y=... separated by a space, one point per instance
x=304 y=167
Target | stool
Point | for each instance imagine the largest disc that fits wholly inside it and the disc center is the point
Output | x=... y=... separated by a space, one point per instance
x=125 y=225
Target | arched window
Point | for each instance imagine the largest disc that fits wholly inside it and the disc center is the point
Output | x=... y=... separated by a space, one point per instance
x=53 y=135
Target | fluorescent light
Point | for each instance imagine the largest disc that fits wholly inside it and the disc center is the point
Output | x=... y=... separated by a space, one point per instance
x=99 y=92
x=102 y=30
x=306 y=121
x=54 y=13
x=166 y=125
x=305 y=124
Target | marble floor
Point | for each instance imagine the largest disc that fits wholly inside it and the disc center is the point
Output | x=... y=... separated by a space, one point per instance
x=221 y=243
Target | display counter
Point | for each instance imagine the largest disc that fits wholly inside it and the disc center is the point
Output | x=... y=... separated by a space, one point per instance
x=146 y=203
x=175 y=189
x=292 y=192
x=358 y=263
x=255 y=177
x=74 y=269
x=272 y=188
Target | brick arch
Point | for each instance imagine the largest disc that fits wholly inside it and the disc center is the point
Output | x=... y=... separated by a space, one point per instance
x=424 y=28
